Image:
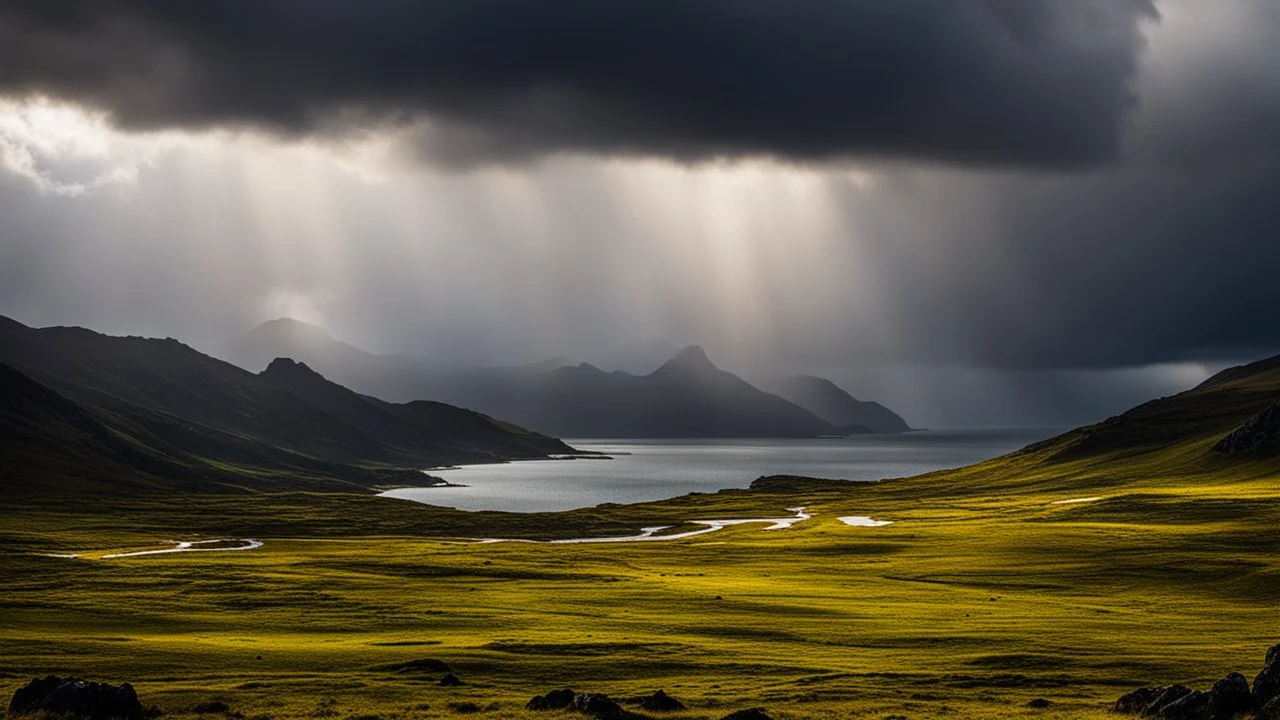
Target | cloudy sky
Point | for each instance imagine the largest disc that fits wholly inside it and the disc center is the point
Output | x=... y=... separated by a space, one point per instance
x=977 y=211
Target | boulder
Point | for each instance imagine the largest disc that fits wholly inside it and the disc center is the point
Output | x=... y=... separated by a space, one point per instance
x=450 y=680
x=751 y=714
x=659 y=701
x=1150 y=701
x=1266 y=686
x=597 y=705
x=1230 y=697
x=1194 y=705
x=77 y=698
x=212 y=707
x=1039 y=704
x=554 y=700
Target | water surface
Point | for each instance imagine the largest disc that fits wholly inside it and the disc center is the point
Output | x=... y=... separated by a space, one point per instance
x=644 y=470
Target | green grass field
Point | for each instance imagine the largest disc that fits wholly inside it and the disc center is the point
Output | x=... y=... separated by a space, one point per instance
x=970 y=604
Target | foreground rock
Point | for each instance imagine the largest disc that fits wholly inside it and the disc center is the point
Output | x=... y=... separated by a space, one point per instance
x=659 y=701
x=554 y=700
x=76 y=698
x=1229 y=698
x=1266 y=686
x=598 y=705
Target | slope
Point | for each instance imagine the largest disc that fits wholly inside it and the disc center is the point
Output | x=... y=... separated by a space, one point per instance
x=831 y=403
x=212 y=416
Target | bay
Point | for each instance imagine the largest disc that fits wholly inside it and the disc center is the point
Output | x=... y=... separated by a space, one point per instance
x=646 y=470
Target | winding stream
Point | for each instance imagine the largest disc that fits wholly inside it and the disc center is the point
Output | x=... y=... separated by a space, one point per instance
x=183 y=547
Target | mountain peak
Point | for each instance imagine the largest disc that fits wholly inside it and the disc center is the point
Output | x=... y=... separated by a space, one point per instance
x=690 y=358
x=288 y=367
x=290 y=326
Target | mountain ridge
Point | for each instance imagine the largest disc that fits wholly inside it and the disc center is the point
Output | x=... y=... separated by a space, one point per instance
x=685 y=396
x=209 y=421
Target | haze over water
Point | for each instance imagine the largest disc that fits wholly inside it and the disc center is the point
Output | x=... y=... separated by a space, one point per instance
x=645 y=470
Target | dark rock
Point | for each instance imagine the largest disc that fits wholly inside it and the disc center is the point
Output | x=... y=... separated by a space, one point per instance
x=1136 y=702
x=214 y=706
x=1230 y=697
x=554 y=700
x=557 y=699
x=1270 y=711
x=752 y=714
x=1039 y=704
x=1194 y=705
x=465 y=708
x=77 y=698
x=1261 y=433
x=450 y=680
x=597 y=705
x=1266 y=686
x=659 y=701
x=1150 y=701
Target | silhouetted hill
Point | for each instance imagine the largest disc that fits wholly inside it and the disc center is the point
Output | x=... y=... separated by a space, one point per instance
x=180 y=413
x=442 y=428
x=688 y=396
x=831 y=403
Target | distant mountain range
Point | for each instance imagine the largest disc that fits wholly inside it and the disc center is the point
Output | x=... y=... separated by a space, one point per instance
x=84 y=414
x=134 y=410
x=687 y=396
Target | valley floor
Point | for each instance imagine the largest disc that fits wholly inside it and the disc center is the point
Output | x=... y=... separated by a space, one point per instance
x=970 y=604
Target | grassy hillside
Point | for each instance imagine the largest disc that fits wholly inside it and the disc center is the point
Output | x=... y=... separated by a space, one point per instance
x=1074 y=571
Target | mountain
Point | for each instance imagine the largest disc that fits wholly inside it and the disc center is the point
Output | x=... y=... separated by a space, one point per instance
x=163 y=408
x=638 y=358
x=831 y=403
x=688 y=396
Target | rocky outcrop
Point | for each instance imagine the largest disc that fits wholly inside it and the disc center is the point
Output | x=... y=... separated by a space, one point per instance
x=659 y=701
x=76 y=698
x=598 y=705
x=1266 y=686
x=1230 y=697
x=554 y=700
x=1260 y=434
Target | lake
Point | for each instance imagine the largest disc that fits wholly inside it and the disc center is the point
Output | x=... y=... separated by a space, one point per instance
x=644 y=470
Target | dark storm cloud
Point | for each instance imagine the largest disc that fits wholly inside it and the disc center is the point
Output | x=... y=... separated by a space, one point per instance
x=975 y=82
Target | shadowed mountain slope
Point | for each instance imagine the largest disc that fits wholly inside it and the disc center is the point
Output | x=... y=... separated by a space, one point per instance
x=831 y=403
x=158 y=405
